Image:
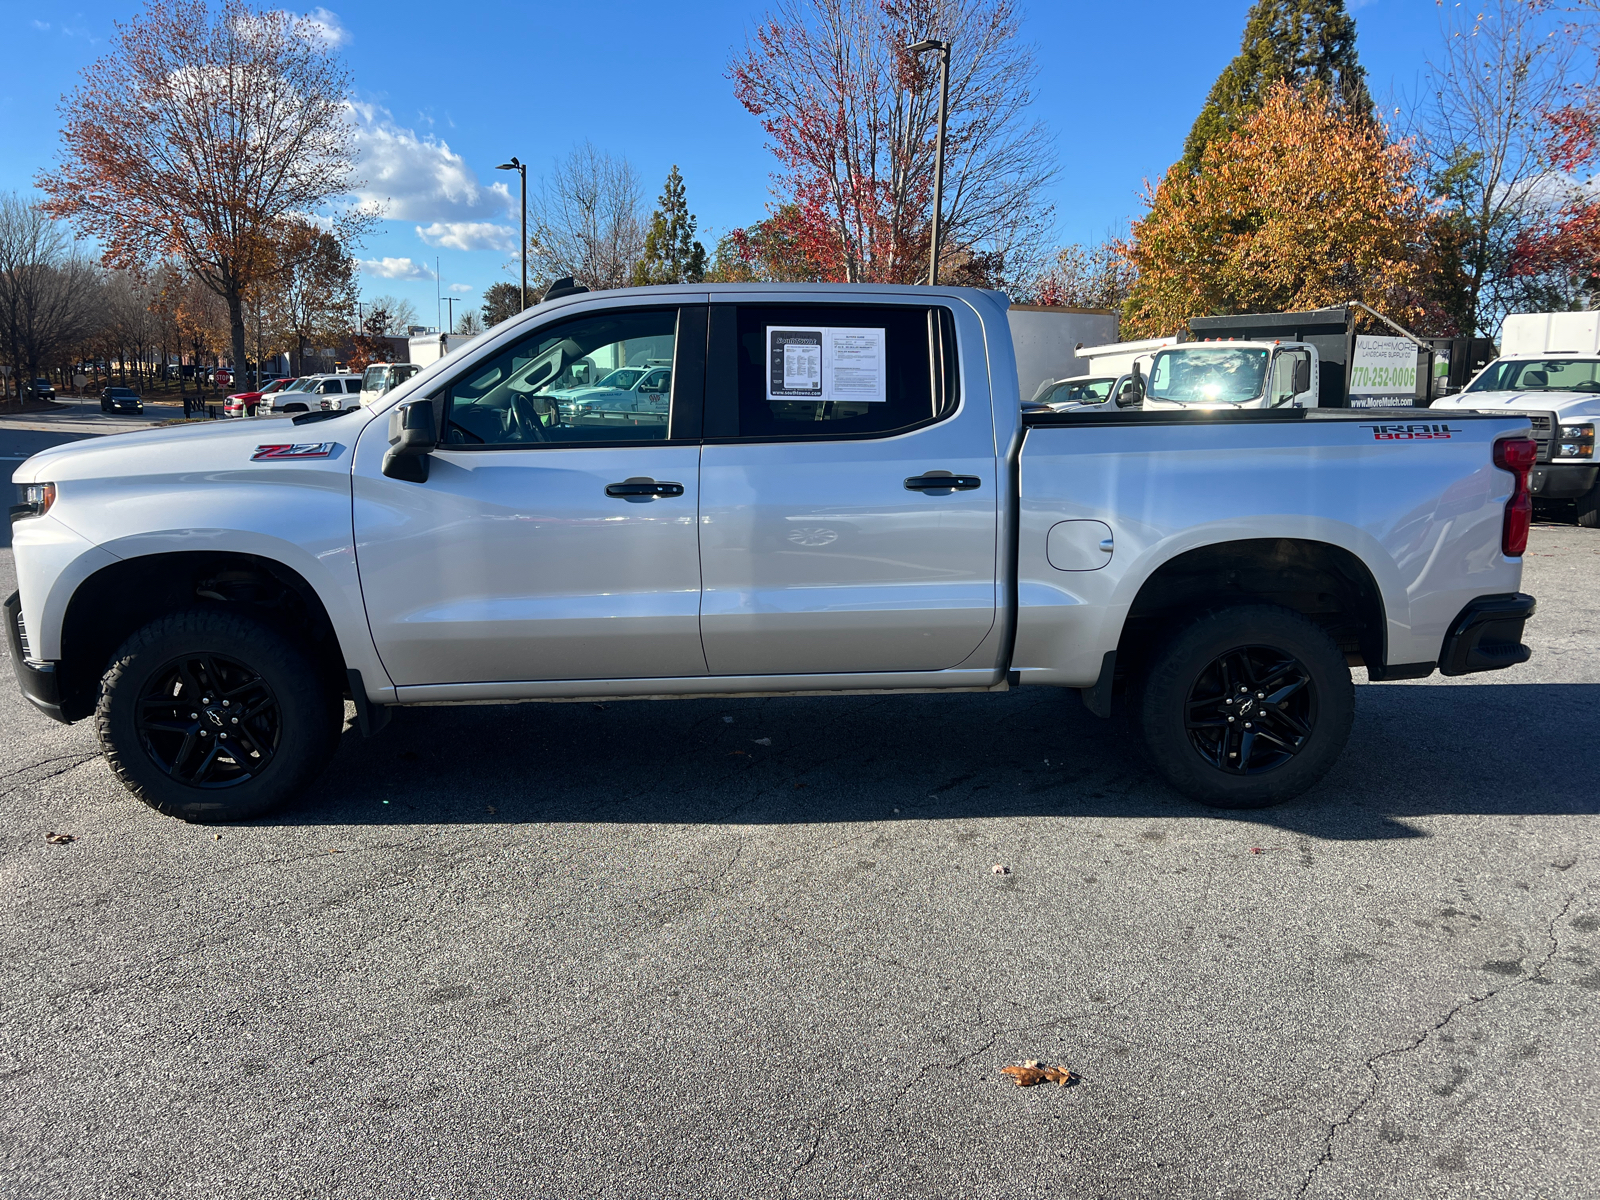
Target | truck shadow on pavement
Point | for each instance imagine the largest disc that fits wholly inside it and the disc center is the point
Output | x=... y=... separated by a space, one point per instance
x=1417 y=750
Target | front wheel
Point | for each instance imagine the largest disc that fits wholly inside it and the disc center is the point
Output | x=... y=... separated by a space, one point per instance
x=1589 y=508
x=1245 y=707
x=210 y=716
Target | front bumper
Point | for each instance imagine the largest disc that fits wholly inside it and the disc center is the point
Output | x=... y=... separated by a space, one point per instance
x=39 y=681
x=1562 y=481
x=1487 y=635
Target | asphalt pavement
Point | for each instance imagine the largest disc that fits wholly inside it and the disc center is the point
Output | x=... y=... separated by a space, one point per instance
x=758 y=948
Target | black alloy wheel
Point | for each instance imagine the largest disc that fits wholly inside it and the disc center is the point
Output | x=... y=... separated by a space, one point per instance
x=209 y=721
x=1252 y=710
x=1243 y=706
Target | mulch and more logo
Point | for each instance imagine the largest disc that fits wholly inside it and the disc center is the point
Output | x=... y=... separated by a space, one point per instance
x=1410 y=433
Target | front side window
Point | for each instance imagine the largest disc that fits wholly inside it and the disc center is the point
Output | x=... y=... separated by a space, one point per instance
x=573 y=382
x=842 y=370
x=1283 y=368
x=1212 y=375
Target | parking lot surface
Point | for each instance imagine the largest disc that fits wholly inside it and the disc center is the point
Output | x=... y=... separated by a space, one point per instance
x=758 y=948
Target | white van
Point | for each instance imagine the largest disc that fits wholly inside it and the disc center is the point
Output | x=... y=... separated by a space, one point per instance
x=385 y=377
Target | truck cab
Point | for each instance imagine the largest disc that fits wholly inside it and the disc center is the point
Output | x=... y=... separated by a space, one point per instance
x=1233 y=375
x=1549 y=368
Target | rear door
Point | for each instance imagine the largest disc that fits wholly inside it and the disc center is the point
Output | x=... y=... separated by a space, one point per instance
x=849 y=491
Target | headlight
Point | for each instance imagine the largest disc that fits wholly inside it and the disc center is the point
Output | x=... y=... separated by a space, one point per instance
x=1575 y=441
x=36 y=501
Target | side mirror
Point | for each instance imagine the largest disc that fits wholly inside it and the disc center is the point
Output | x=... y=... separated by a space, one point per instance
x=413 y=435
x=1302 y=376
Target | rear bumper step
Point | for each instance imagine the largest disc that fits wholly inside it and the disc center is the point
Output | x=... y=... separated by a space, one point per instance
x=1487 y=635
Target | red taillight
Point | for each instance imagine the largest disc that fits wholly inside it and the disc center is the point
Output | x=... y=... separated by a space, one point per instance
x=1516 y=455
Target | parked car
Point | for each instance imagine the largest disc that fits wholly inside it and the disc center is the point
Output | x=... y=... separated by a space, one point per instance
x=120 y=399
x=1075 y=392
x=309 y=394
x=243 y=404
x=844 y=498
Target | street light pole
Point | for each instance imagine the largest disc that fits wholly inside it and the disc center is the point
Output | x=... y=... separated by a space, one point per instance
x=522 y=251
x=938 y=146
x=451 y=301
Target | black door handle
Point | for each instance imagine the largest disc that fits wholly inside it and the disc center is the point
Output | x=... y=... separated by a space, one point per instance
x=943 y=483
x=648 y=488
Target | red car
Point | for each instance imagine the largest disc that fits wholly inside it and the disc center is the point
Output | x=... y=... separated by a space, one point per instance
x=243 y=404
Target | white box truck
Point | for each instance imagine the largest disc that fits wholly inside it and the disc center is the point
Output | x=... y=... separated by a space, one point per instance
x=1047 y=340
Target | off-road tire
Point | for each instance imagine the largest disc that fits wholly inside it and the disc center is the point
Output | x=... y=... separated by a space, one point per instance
x=1186 y=665
x=1588 y=506
x=306 y=731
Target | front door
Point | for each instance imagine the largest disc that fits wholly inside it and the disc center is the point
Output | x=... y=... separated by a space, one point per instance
x=849 y=492
x=555 y=535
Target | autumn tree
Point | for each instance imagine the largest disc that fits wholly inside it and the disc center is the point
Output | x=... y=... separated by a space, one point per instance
x=1097 y=276
x=400 y=315
x=584 y=220
x=852 y=119
x=767 y=251
x=1491 y=127
x=313 y=297
x=671 y=253
x=198 y=135
x=501 y=302
x=1304 y=206
x=1300 y=42
x=1560 y=255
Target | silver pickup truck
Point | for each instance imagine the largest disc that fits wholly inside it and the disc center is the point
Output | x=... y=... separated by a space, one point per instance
x=844 y=497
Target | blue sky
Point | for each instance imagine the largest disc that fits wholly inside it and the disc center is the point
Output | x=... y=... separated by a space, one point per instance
x=444 y=92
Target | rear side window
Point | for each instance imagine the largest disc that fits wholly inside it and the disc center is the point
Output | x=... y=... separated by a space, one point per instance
x=834 y=370
x=352 y=385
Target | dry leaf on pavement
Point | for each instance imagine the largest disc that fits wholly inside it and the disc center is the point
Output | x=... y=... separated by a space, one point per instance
x=59 y=839
x=1030 y=1073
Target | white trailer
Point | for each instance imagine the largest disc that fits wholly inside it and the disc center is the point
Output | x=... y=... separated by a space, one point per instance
x=428 y=348
x=1047 y=340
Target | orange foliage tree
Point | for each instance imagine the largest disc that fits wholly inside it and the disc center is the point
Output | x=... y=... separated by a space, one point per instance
x=1300 y=208
x=198 y=136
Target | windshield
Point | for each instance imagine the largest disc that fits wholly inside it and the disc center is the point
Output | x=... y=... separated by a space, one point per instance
x=372 y=381
x=1539 y=375
x=277 y=385
x=1209 y=375
x=623 y=379
x=1080 y=391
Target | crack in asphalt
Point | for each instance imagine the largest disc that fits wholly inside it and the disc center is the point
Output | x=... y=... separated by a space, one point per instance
x=1374 y=1079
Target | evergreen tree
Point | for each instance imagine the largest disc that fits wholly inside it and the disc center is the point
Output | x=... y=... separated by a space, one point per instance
x=501 y=302
x=671 y=254
x=1296 y=41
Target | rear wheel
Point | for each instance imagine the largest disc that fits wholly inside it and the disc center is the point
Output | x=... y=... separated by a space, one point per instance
x=1245 y=707
x=211 y=716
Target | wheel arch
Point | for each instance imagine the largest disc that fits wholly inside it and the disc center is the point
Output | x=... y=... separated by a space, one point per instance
x=123 y=596
x=1327 y=583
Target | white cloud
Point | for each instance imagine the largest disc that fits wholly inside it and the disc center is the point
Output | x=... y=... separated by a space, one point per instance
x=42 y=25
x=395 y=268
x=468 y=235
x=327 y=26
x=419 y=178
x=460 y=289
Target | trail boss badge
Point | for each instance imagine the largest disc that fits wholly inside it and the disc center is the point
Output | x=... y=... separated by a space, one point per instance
x=1410 y=433
x=301 y=450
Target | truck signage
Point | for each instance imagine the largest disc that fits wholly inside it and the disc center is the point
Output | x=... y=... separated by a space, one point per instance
x=1383 y=372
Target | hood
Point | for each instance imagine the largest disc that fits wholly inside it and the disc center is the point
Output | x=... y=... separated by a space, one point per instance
x=212 y=446
x=1563 y=404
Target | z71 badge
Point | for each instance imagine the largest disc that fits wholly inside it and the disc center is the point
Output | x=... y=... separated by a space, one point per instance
x=1410 y=433
x=302 y=450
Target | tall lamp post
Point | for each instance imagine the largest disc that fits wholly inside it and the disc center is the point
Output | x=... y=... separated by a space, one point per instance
x=451 y=301
x=943 y=48
x=522 y=252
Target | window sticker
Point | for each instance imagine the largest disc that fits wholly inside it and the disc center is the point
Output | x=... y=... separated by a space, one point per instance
x=826 y=363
